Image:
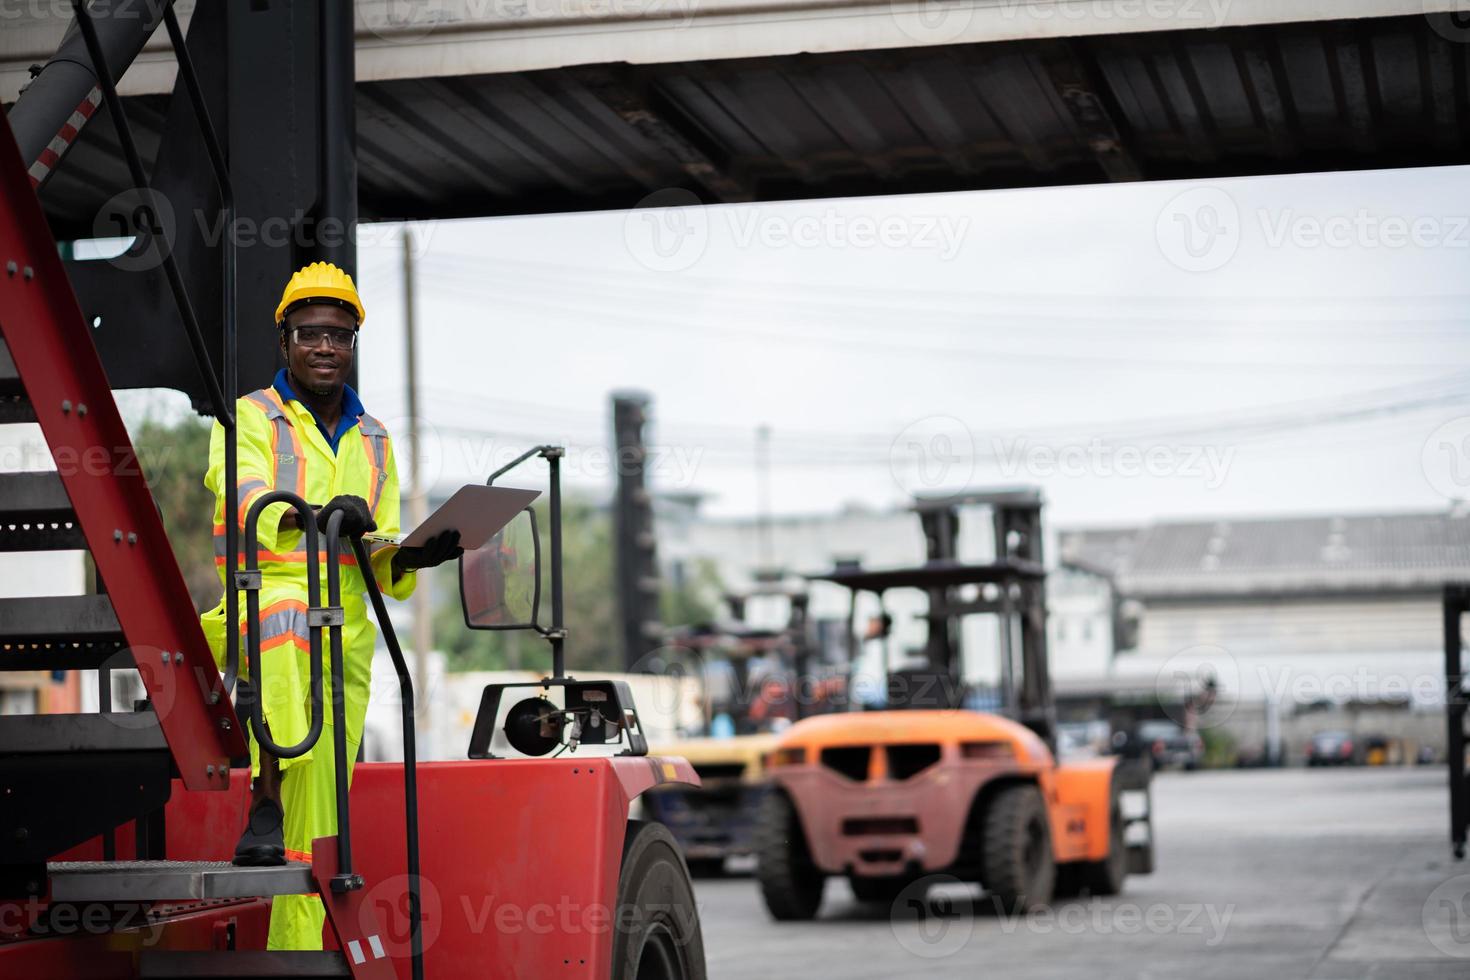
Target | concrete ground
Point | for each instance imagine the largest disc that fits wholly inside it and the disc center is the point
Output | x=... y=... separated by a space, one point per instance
x=1270 y=875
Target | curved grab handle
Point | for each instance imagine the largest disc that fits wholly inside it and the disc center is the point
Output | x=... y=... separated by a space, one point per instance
x=250 y=581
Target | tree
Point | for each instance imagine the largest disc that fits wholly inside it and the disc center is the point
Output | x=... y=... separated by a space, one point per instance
x=688 y=601
x=174 y=456
x=593 y=636
x=591 y=607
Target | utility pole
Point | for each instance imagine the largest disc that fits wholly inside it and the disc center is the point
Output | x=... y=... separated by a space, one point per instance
x=418 y=501
x=765 y=558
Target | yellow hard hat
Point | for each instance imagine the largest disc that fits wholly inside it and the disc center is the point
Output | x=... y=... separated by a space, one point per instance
x=320 y=282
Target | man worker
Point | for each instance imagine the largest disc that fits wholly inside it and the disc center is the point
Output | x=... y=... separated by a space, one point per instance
x=308 y=433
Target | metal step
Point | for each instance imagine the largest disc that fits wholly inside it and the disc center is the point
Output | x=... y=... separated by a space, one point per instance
x=10 y=383
x=64 y=779
x=76 y=656
x=240 y=965
x=58 y=621
x=37 y=496
x=98 y=732
x=16 y=408
x=163 y=881
x=36 y=514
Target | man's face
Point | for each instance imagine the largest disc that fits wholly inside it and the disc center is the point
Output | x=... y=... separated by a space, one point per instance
x=322 y=367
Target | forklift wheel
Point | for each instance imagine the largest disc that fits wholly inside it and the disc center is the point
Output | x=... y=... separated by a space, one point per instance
x=707 y=867
x=790 y=883
x=878 y=891
x=657 y=934
x=1019 y=871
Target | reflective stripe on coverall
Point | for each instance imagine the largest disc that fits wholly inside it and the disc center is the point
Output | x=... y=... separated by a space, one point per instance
x=280 y=446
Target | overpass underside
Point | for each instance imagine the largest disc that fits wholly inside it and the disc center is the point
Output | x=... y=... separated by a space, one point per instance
x=437 y=141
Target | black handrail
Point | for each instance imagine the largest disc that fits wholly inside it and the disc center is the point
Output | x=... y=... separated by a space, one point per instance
x=222 y=398
x=250 y=581
x=335 y=621
x=318 y=617
x=222 y=408
x=220 y=166
x=410 y=753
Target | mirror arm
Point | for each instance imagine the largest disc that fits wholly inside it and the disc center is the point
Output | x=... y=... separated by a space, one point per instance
x=550 y=452
x=558 y=634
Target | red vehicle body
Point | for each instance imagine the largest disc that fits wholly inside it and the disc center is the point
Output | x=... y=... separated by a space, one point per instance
x=492 y=907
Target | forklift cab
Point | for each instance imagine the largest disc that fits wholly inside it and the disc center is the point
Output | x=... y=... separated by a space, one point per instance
x=957 y=631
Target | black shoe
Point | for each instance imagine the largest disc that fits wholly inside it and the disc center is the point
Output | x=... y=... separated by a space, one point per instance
x=264 y=842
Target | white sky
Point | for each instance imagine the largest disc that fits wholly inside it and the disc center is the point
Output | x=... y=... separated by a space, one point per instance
x=1204 y=331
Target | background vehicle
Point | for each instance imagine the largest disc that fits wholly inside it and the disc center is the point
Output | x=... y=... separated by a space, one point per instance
x=1166 y=743
x=928 y=785
x=1333 y=749
x=748 y=678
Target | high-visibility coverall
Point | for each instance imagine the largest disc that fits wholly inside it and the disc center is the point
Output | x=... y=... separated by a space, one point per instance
x=281 y=446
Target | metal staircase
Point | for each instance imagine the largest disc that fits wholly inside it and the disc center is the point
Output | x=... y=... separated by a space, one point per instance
x=68 y=779
x=54 y=768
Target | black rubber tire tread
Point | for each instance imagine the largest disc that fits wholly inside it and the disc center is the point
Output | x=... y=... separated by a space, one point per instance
x=655 y=895
x=878 y=891
x=706 y=867
x=1012 y=814
x=791 y=884
x=1070 y=880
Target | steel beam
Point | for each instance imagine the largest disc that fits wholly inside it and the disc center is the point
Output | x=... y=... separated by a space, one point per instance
x=1082 y=90
x=621 y=91
x=63 y=96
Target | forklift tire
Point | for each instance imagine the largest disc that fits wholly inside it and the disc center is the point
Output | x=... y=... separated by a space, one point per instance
x=706 y=867
x=878 y=891
x=656 y=922
x=790 y=883
x=1018 y=869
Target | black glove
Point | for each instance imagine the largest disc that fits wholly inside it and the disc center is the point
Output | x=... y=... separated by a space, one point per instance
x=356 y=520
x=442 y=547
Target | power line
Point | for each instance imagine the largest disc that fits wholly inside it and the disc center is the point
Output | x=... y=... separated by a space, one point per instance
x=560 y=306
x=1107 y=308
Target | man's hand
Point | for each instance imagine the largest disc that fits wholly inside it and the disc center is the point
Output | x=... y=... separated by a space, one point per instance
x=356 y=520
x=442 y=547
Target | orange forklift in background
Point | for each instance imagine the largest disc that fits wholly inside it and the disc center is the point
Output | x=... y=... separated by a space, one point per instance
x=957 y=774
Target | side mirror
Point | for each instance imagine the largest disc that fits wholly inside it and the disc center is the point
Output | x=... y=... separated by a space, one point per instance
x=500 y=583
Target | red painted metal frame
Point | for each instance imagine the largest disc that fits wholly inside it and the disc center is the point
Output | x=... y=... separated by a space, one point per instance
x=94 y=955
x=520 y=860
x=53 y=352
x=520 y=869
x=353 y=918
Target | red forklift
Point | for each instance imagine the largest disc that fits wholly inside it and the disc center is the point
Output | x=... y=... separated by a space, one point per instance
x=118 y=825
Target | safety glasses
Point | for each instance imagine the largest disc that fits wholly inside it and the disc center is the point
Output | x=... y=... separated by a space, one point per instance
x=338 y=338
